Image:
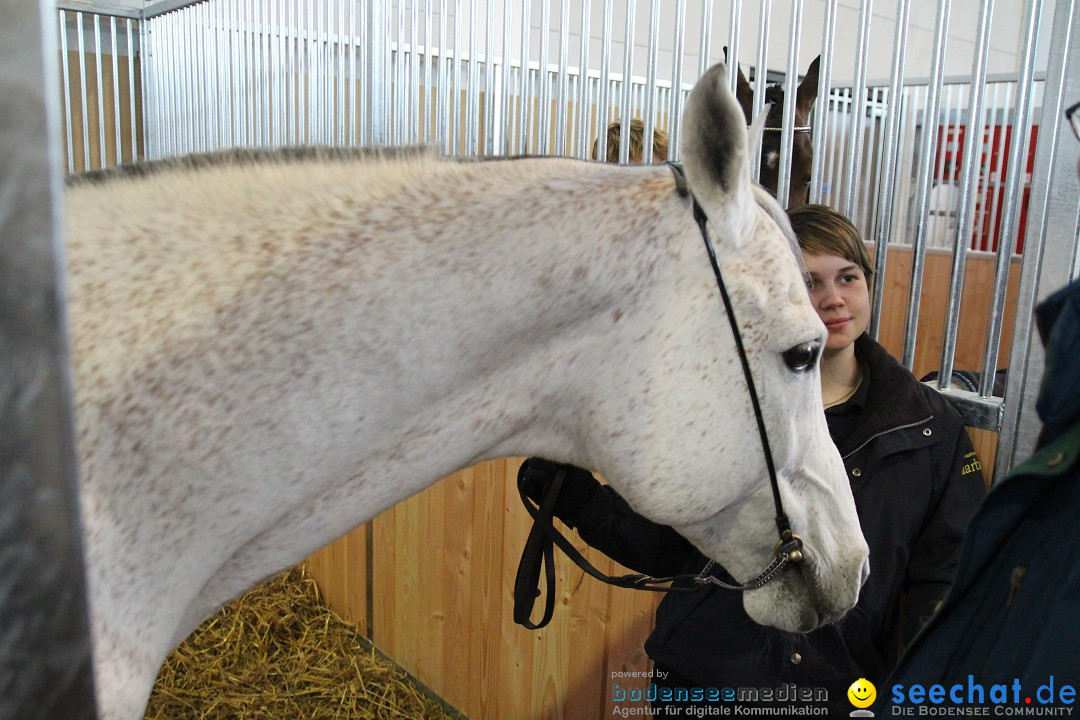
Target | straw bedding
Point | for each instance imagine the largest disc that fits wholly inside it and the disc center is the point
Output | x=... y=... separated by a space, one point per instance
x=278 y=654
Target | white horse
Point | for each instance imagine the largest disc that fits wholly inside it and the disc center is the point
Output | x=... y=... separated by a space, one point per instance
x=271 y=348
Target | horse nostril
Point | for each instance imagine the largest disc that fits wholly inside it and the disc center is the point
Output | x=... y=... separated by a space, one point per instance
x=803 y=356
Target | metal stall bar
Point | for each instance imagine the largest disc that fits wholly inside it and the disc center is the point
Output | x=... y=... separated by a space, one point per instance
x=489 y=78
x=100 y=87
x=1050 y=254
x=84 y=107
x=523 y=82
x=118 y=148
x=734 y=21
x=858 y=103
x=1010 y=220
x=791 y=87
x=563 y=96
x=472 y=91
x=649 y=114
x=822 y=114
x=886 y=195
x=627 y=83
x=968 y=188
x=675 y=111
x=605 y=83
x=760 y=72
x=927 y=148
x=583 y=86
x=706 y=36
x=45 y=658
x=543 y=124
x=64 y=63
x=504 y=81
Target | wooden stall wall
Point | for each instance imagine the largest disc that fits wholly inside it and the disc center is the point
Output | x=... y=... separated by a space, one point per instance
x=100 y=105
x=443 y=562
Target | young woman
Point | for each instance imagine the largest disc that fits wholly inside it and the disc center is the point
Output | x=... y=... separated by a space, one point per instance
x=913 y=476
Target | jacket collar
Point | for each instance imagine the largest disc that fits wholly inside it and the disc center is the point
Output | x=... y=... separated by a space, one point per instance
x=893 y=399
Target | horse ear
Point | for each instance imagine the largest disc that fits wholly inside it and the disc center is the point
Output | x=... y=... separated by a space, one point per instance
x=808 y=88
x=714 y=151
x=743 y=92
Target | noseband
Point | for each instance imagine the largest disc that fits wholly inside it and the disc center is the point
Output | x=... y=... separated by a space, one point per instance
x=538 y=547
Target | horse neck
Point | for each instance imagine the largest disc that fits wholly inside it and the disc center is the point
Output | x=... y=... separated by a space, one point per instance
x=425 y=320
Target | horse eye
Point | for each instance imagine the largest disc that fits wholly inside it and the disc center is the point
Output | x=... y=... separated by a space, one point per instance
x=802 y=357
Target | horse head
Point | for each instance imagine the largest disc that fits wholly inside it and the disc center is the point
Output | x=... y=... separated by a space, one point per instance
x=802 y=148
x=715 y=489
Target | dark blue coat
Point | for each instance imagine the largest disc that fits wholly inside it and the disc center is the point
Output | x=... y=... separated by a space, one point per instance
x=1013 y=613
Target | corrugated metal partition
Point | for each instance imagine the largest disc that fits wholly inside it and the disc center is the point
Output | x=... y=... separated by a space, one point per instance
x=936 y=130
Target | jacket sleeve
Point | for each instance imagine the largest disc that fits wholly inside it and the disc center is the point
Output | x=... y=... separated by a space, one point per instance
x=934 y=557
x=608 y=524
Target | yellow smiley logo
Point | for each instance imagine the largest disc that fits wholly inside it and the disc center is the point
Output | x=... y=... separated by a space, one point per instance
x=862 y=693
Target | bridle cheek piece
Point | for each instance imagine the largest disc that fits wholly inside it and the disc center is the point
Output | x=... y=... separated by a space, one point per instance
x=539 y=546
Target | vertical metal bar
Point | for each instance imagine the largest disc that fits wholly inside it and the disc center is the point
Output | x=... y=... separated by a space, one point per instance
x=66 y=71
x=675 y=109
x=209 y=89
x=504 y=83
x=340 y=50
x=365 y=82
x=734 y=23
x=324 y=53
x=378 y=88
x=791 y=88
x=82 y=91
x=412 y=88
x=761 y=70
x=604 y=100
x=132 y=54
x=706 y=36
x=1050 y=249
x=235 y=86
x=455 y=69
x=45 y=647
x=1001 y=114
x=489 y=78
x=472 y=90
x=563 y=96
x=117 y=139
x=851 y=172
x=976 y=122
x=885 y=195
x=1010 y=219
x=544 y=123
x=441 y=112
x=625 y=113
x=193 y=120
x=523 y=90
x=822 y=114
x=649 y=113
x=353 y=129
x=100 y=102
x=583 y=85
x=926 y=152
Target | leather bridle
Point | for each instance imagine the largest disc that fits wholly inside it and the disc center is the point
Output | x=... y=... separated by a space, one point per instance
x=539 y=546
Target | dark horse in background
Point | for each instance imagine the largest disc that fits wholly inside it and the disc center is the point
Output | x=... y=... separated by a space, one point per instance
x=802 y=156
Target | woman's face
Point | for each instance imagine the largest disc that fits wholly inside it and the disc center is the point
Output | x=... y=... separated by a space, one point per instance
x=841 y=298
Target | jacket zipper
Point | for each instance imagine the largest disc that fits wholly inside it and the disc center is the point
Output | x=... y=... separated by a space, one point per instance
x=886 y=432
